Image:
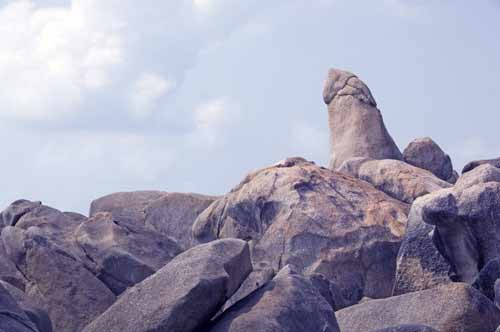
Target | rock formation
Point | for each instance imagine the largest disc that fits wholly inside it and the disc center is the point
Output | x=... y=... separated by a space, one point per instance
x=356 y=125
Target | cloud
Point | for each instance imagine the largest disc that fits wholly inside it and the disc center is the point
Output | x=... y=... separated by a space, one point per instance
x=148 y=89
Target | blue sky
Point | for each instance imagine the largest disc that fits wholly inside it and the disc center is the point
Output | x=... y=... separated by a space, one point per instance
x=190 y=95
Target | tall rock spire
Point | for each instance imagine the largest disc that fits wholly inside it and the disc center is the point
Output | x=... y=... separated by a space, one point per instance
x=356 y=125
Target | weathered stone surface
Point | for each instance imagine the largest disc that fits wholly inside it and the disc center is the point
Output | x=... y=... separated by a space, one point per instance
x=426 y=154
x=328 y=290
x=396 y=178
x=419 y=264
x=70 y=294
x=481 y=174
x=260 y=276
x=497 y=293
x=173 y=215
x=356 y=125
x=12 y=317
x=485 y=281
x=315 y=219
x=11 y=215
x=288 y=303
x=455 y=307
x=123 y=256
x=183 y=295
x=32 y=309
x=8 y=270
x=408 y=328
x=473 y=164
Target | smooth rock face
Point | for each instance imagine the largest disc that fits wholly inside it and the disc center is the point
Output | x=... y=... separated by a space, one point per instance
x=420 y=265
x=174 y=214
x=70 y=294
x=122 y=256
x=473 y=164
x=426 y=154
x=356 y=125
x=408 y=328
x=455 y=307
x=32 y=310
x=315 y=219
x=12 y=317
x=171 y=214
x=183 y=295
x=396 y=178
x=288 y=303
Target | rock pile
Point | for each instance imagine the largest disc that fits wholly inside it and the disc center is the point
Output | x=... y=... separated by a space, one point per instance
x=379 y=242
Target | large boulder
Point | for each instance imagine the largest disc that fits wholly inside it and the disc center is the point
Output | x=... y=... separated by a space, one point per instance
x=183 y=295
x=171 y=214
x=426 y=154
x=288 y=303
x=65 y=289
x=30 y=307
x=481 y=174
x=356 y=125
x=12 y=317
x=485 y=280
x=396 y=178
x=123 y=257
x=11 y=215
x=455 y=307
x=408 y=328
x=473 y=164
x=315 y=219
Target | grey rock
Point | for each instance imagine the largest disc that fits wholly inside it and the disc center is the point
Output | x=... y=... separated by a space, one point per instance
x=11 y=215
x=356 y=125
x=123 y=256
x=396 y=178
x=316 y=219
x=32 y=310
x=183 y=295
x=473 y=164
x=8 y=270
x=455 y=307
x=289 y=303
x=12 y=317
x=66 y=290
x=420 y=265
x=329 y=291
x=426 y=154
x=408 y=328
x=485 y=281
x=497 y=293
x=481 y=174
x=173 y=215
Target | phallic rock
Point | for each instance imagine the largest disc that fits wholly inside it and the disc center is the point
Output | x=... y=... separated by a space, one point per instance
x=408 y=328
x=122 y=256
x=316 y=219
x=12 y=317
x=420 y=265
x=485 y=281
x=426 y=154
x=32 y=309
x=183 y=295
x=455 y=307
x=173 y=215
x=473 y=164
x=396 y=178
x=67 y=291
x=356 y=125
x=288 y=303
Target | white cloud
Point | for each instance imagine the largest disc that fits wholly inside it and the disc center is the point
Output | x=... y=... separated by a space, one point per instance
x=148 y=89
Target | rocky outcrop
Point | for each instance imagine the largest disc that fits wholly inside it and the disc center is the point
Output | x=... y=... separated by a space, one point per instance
x=183 y=295
x=473 y=164
x=171 y=214
x=123 y=256
x=315 y=219
x=485 y=280
x=356 y=125
x=288 y=303
x=70 y=294
x=12 y=317
x=426 y=154
x=455 y=307
x=408 y=328
x=396 y=178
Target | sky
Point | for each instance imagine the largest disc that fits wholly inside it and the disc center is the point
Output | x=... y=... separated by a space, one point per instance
x=190 y=95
